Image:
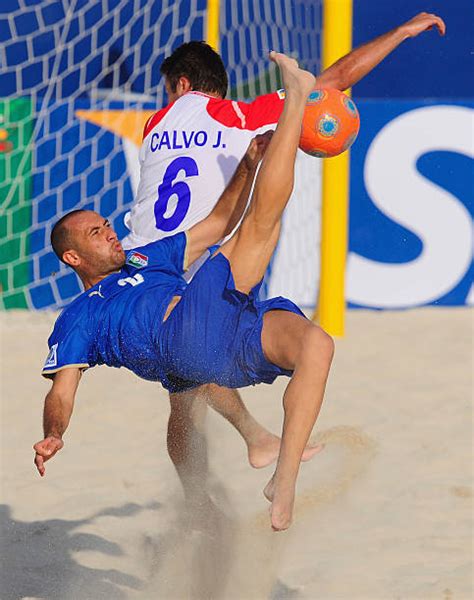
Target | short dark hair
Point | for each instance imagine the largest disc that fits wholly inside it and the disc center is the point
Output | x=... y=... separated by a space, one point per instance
x=199 y=63
x=61 y=239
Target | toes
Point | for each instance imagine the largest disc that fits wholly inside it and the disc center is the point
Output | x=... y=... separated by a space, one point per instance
x=280 y=523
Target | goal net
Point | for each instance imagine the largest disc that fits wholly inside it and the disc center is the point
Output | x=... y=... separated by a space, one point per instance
x=78 y=80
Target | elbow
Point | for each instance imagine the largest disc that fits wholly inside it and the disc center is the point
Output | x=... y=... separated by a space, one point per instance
x=342 y=80
x=341 y=76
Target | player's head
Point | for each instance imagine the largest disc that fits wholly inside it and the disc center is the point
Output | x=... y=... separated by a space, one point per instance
x=194 y=66
x=86 y=242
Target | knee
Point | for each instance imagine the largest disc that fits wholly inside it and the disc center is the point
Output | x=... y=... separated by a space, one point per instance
x=317 y=345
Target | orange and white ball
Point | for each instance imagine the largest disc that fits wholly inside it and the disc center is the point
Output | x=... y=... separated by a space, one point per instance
x=330 y=124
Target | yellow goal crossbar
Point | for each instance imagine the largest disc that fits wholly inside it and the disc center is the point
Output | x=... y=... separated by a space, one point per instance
x=337 y=41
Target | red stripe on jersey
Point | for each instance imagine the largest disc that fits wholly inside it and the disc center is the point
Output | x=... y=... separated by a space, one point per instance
x=265 y=110
x=196 y=93
x=155 y=119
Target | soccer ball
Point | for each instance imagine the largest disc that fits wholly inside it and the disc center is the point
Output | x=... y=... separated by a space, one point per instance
x=330 y=123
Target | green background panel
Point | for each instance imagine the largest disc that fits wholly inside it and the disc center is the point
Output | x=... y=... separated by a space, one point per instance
x=16 y=128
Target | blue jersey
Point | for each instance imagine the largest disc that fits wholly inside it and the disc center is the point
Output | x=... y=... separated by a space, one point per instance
x=117 y=321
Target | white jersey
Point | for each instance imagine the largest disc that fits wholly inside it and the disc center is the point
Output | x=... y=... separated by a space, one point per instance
x=190 y=151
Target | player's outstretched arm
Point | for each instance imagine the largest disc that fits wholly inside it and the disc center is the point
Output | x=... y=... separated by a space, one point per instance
x=58 y=407
x=231 y=205
x=351 y=68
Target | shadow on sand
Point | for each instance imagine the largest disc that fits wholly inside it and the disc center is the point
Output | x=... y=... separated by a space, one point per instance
x=37 y=558
x=206 y=552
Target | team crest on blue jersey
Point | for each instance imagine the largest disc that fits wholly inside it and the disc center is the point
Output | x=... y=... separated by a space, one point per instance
x=137 y=260
x=52 y=358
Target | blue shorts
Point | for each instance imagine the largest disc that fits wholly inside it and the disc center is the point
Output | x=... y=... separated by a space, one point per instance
x=213 y=335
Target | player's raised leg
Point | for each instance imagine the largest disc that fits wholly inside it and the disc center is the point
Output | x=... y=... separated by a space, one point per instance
x=250 y=249
x=290 y=341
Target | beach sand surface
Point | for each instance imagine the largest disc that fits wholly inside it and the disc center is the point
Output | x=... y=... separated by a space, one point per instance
x=384 y=512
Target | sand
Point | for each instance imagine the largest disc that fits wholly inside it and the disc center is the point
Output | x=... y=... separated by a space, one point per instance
x=384 y=512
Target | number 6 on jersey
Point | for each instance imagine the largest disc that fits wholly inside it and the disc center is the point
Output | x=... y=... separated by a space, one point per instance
x=169 y=188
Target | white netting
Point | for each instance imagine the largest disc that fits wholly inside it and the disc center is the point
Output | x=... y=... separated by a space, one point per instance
x=65 y=66
x=78 y=79
x=249 y=31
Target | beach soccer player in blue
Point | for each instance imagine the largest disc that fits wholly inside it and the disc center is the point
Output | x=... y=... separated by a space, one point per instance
x=138 y=312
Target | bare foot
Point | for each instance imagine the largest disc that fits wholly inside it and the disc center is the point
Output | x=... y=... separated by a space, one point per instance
x=269 y=490
x=294 y=78
x=281 y=515
x=281 y=509
x=266 y=449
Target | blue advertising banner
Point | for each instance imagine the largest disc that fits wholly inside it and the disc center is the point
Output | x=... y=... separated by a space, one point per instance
x=411 y=205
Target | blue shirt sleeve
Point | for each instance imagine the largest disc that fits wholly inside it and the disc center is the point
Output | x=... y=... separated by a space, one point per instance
x=169 y=252
x=69 y=346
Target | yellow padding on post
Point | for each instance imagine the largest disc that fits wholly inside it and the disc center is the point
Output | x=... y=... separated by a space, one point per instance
x=212 y=23
x=337 y=41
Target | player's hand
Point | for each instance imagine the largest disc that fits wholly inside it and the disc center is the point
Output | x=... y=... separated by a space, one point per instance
x=423 y=22
x=257 y=148
x=45 y=450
